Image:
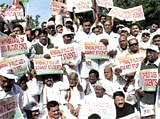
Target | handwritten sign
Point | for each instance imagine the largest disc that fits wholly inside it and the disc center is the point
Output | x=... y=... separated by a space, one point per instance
x=80 y=5
x=18 y=64
x=48 y=66
x=67 y=54
x=106 y=109
x=105 y=3
x=95 y=51
x=13 y=46
x=13 y=14
x=131 y=14
x=150 y=77
x=9 y=108
x=130 y=63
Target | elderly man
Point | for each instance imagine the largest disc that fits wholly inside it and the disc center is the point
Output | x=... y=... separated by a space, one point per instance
x=8 y=88
x=98 y=103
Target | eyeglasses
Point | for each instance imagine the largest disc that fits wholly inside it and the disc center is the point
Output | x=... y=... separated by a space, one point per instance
x=134 y=44
x=145 y=35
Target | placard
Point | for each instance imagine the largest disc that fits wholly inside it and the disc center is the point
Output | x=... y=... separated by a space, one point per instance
x=11 y=46
x=131 y=14
x=150 y=78
x=95 y=51
x=67 y=54
x=48 y=66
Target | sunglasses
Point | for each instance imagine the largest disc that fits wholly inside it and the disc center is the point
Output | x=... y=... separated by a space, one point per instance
x=145 y=35
x=134 y=44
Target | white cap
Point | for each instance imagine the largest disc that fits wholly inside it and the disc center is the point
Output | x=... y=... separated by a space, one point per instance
x=125 y=29
x=7 y=72
x=67 y=32
x=131 y=37
x=32 y=106
x=146 y=31
x=50 y=23
x=153 y=47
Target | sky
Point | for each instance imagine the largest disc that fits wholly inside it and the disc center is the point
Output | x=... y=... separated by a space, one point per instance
x=36 y=7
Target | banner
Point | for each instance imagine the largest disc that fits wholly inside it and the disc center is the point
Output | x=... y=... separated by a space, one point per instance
x=130 y=63
x=105 y=3
x=18 y=64
x=67 y=54
x=14 y=13
x=106 y=109
x=131 y=14
x=48 y=66
x=95 y=51
x=80 y=5
x=57 y=6
x=13 y=46
x=150 y=78
x=9 y=108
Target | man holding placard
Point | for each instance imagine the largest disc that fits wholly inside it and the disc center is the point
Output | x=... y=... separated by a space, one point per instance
x=148 y=80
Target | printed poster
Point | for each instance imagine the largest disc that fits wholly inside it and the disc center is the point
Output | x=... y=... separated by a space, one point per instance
x=48 y=66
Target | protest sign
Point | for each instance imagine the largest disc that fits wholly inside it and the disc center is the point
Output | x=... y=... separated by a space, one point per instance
x=67 y=54
x=9 y=108
x=106 y=109
x=11 y=46
x=105 y=3
x=18 y=64
x=131 y=14
x=80 y=5
x=57 y=6
x=135 y=115
x=14 y=14
x=48 y=66
x=95 y=51
x=150 y=78
x=130 y=63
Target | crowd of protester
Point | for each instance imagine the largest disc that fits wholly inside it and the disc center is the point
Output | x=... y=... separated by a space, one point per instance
x=64 y=96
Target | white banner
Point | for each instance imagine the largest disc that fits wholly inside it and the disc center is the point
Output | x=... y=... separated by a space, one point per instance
x=131 y=14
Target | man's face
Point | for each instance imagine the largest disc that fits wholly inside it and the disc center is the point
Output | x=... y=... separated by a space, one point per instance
x=156 y=41
x=73 y=81
x=35 y=114
x=6 y=84
x=43 y=39
x=54 y=112
x=108 y=26
x=23 y=85
x=92 y=78
x=48 y=80
x=108 y=73
x=86 y=27
x=59 y=29
x=145 y=37
x=17 y=31
x=67 y=38
x=151 y=55
x=154 y=28
x=119 y=101
x=123 y=42
x=135 y=30
x=99 y=91
x=133 y=45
